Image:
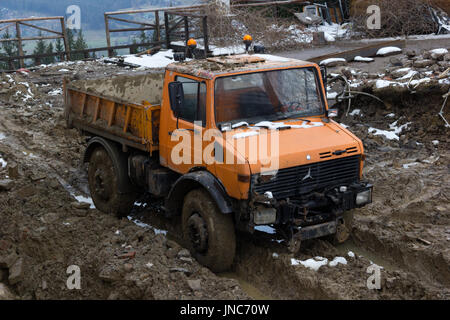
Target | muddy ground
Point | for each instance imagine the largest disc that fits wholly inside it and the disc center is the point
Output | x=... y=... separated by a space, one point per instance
x=44 y=229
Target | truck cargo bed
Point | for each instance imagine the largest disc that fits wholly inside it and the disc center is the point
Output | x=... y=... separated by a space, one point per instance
x=124 y=109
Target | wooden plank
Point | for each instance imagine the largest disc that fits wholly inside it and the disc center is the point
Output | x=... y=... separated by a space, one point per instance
x=7 y=26
x=66 y=41
x=113 y=113
x=40 y=28
x=19 y=44
x=31 y=19
x=165 y=9
x=131 y=21
x=131 y=29
x=97 y=110
x=31 y=38
x=127 y=119
x=108 y=36
x=83 y=103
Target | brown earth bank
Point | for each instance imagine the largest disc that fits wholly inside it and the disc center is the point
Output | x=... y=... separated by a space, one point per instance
x=44 y=229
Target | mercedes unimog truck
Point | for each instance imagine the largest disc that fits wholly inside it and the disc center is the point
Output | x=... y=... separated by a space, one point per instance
x=231 y=144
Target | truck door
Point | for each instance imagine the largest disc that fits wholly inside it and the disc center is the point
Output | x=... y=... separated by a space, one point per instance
x=183 y=136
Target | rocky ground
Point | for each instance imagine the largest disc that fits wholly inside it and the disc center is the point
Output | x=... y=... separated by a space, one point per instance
x=48 y=224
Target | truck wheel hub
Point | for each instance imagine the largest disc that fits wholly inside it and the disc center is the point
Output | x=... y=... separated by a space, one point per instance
x=198 y=233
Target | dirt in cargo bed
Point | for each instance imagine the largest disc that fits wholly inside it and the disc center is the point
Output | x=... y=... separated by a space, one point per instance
x=44 y=229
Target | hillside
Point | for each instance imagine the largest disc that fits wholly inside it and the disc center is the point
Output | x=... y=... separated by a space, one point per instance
x=91 y=12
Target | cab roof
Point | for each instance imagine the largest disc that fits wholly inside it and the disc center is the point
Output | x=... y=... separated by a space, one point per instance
x=211 y=67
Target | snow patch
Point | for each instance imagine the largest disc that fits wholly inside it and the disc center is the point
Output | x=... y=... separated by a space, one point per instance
x=439 y=51
x=83 y=199
x=158 y=60
x=265 y=229
x=55 y=92
x=337 y=260
x=146 y=226
x=331 y=60
x=3 y=163
x=351 y=254
x=388 y=50
x=313 y=263
x=362 y=59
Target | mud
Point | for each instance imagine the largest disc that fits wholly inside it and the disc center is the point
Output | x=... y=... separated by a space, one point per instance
x=44 y=229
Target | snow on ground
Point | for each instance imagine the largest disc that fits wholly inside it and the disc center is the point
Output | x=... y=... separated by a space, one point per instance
x=317 y=262
x=55 y=92
x=439 y=51
x=158 y=60
x=331 y=95
x=351 y=254
x=269 y=57
x=2 y=136
x=331 y=60
x=363 y=59
x=391 y=134
x=83 y=199
x=3 y=163
x=356 y=112
x=408 y=165
x=337 y=260
x=388 y=50
x=146 y=226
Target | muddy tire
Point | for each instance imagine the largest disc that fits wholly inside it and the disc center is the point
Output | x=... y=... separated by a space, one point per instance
x=104 y=185
x=344 y=228
x=208 y=233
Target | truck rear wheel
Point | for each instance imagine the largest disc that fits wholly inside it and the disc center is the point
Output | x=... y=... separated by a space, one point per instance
x=104 y=185
x=208 y=233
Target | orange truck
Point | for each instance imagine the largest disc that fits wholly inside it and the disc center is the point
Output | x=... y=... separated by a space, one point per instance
x=232 y=144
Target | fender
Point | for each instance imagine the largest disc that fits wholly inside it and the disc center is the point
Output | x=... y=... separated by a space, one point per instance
x=118 y=158
x=194 y=180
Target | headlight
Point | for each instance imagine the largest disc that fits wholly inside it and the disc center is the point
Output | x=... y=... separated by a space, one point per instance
x=364 y=197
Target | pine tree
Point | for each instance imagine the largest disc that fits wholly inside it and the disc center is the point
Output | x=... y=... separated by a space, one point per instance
x=10 y=49
x=80 y=44
x=143 y=39
x=49 y=59
x=59 y=49
x=40 y=48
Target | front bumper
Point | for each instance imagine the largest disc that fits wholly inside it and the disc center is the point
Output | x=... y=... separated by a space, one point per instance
x=314 y=215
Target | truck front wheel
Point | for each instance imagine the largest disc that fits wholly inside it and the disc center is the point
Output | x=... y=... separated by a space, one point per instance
x=343 y=228
x=209 y=234
x=104 y=185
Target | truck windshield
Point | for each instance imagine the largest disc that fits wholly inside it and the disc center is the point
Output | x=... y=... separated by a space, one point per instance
x=269 y=95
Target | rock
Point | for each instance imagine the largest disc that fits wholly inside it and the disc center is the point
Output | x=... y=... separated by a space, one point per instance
x=396 y=62
x=195 y=285
x=411 y=53
x=423 y=63
x=172 y=244
x=183 y=253
x=171 y=253
x=438 y=54
x=3 y=275
x=399 y=72
x=80 y=205
x=8 y=261
x=447 y=57
x=6 y=185
x=128 y=267
x=13 y=170
x=5 y=293
x=16 y=272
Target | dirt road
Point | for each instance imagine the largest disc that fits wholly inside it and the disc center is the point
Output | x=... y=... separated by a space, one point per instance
x=47 y=223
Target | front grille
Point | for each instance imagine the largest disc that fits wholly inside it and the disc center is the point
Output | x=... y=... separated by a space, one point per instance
x=300 y=180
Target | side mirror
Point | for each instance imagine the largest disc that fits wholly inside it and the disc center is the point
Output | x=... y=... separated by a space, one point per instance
x=323 y=71
x=176 y=95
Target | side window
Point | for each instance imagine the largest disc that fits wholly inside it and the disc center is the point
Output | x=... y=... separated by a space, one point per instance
x=194 y=100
